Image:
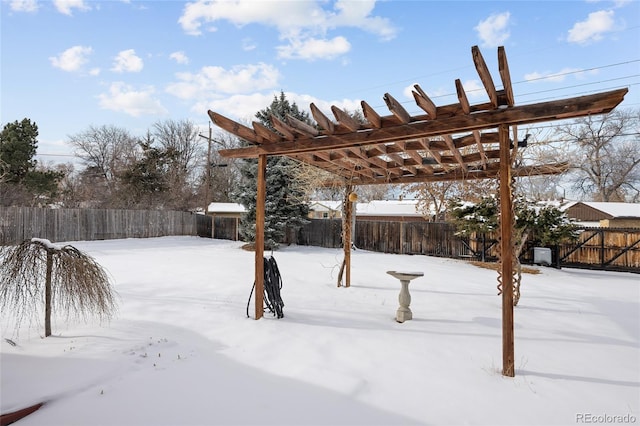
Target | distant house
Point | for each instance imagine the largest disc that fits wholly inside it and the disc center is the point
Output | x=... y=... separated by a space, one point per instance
x=395 y=210
x=608 y=215
x=325 y=209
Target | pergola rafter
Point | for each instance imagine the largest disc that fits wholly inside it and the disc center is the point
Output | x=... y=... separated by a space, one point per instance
x=444 y=143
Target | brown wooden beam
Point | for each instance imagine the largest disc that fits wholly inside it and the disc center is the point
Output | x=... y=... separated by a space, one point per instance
x=503 y=68
x=462 y=97
x=506 y=252
x=478 y=138
x=233 y=127
x=283 y=128
x=397 y=109
x=491 y=172
x=301 y=127
x=425 y=102
x=454 y=151
x=526 y=114
x=371 y=115
x=345 y=119
x=485 y=76
x=265 y=133
x=261 y=196
x=323 y=121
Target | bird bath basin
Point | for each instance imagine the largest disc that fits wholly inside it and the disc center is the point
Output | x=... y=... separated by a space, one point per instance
x=404 y=312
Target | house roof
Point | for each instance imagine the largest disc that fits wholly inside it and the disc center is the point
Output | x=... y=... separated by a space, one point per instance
x=613 y=209
x=226 y=208
x=325 y=205
x=388 y=208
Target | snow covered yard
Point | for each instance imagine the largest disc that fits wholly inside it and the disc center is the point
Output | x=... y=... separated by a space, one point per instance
x=181 y=350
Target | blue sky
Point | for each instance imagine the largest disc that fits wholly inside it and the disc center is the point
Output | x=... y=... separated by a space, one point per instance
x=69 y=64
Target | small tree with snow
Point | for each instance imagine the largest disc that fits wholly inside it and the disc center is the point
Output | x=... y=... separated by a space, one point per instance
x=545 y=222
x=38 y=274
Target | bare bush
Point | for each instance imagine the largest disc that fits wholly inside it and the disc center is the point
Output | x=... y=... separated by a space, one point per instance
x=37 y=274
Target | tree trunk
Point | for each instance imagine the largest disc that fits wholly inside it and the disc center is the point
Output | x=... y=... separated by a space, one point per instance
x=47 y=295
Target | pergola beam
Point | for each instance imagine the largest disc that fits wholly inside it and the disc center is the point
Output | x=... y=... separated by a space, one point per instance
x=546 y=111
x=455 y=174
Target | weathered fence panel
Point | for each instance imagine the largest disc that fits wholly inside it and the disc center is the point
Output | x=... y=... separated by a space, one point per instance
x=319 y=233
x=21 y=223
x=597 y=248
x=604 y=248
x=226 y=228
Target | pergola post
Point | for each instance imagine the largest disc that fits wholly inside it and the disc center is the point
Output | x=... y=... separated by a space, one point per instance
x=506 y=251
x=261 y=195
x=348 y=237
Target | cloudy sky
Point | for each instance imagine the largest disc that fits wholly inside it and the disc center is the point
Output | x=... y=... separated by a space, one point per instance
x=70 y=64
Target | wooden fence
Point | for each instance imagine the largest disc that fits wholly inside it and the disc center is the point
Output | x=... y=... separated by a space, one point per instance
x=21 y=223
x=597 y=248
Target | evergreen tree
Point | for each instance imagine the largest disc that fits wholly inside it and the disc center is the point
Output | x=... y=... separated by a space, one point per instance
x=285 y=205
x=21 y=181
x=18 y=145
x=146 y=182
x=546 y=223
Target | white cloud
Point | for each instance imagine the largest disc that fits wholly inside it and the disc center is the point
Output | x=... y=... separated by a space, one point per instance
x=124 y=98
x=66 y=6
x=179 y=57
x=593 y=28
x=474 y=88
x=24 y=5
x=358 y=14
x=312 y=49
x=559 y=76
x=298 y=22
x=94 y=71
x=243 y=108
x=216 y=80
x=248 y=44
x=72 y=59
x=493 y=31
x=127 y=61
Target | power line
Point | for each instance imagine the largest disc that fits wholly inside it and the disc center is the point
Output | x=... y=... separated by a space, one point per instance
x=631 y=61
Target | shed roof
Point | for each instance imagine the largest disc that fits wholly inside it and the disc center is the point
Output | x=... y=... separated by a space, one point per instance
x=226 y=208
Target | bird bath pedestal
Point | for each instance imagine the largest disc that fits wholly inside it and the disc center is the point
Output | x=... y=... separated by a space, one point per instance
x=404 y=313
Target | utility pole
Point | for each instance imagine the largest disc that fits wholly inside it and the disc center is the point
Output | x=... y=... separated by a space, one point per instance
x=207 y=192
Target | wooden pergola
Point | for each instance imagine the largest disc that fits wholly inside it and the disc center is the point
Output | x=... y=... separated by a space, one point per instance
x=444 y=143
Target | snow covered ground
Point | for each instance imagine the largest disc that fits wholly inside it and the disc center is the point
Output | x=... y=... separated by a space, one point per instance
x=181 y=350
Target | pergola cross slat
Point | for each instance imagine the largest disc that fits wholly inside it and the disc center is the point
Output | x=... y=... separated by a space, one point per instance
x=446 y=143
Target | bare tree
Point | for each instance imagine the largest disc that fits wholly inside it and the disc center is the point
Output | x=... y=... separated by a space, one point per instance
x=434 y=197
x=606 y=157
x=222 y=175
x=181 y=138
x=37 y=274
x=105 y=151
